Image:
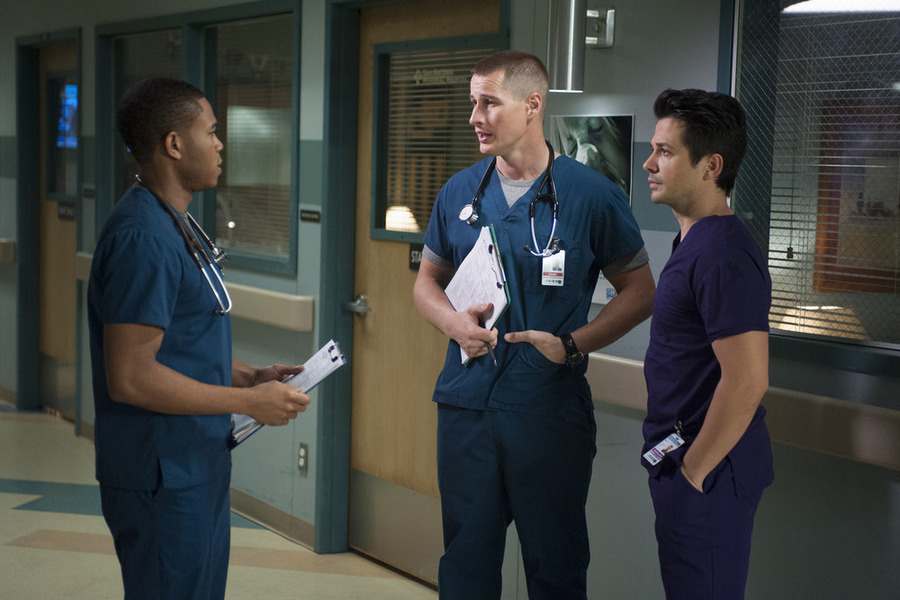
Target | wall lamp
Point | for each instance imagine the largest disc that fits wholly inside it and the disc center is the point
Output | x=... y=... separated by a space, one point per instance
x=573 y=28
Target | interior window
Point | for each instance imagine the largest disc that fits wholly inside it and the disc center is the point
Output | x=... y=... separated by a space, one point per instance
x=821 y=181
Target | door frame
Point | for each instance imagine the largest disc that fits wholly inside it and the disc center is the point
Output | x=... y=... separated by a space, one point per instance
x=28 y=227
x=338 y=227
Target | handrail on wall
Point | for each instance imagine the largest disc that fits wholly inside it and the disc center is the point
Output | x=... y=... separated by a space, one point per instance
x=287 y=311
x=861 y=432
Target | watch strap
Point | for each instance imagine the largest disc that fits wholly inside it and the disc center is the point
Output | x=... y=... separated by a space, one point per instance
x=573 y=355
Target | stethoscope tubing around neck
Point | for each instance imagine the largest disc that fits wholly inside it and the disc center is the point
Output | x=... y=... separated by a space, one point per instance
x=196 y=251
x=469 y=212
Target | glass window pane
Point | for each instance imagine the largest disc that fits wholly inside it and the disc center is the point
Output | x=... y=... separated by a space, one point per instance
x=62 y=154
x=426 y=128
x=253 y=107
x=156 y=54
x=821 y=89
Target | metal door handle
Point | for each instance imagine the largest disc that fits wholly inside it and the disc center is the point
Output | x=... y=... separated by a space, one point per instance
x=358 y=305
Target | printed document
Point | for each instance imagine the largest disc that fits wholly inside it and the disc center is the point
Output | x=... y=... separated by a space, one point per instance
x=479 y=279
x=323 y=363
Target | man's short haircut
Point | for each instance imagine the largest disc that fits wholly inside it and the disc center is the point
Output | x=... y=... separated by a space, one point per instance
x=151 y=109
x=524 y=73
x=714 y=123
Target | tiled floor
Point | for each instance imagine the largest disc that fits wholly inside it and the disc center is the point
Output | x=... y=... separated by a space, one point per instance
x=54 y=543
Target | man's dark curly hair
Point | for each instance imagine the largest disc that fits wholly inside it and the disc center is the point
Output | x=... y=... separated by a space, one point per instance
x=151 y=109
x=714 y=123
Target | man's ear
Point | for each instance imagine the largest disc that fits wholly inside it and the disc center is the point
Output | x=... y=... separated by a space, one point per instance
x=172 y=145
x=534 y=103
x=714 y=165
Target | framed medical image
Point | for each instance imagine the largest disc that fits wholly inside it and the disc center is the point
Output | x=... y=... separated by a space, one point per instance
x=602 y=142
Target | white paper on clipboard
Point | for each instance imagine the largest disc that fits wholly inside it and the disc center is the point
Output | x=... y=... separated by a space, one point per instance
x=320 y=365
x=479 y=279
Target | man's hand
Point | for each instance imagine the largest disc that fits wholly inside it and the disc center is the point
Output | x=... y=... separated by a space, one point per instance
x=463 y=327
x=546 y=343
x=468 y=330
x=276 y=372
x=275 y=403
x=244 y=375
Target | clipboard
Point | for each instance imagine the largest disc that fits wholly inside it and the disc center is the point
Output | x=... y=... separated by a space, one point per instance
x=480 y=278
x=320 y=365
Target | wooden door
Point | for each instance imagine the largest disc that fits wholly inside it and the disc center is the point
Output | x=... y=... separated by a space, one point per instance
x=394 y=505
x=58 y=236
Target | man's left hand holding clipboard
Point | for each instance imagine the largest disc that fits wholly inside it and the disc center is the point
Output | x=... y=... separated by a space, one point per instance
x=479 y=286
x=320 y=365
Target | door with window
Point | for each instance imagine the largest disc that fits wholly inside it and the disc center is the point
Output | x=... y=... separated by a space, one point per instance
x=59 y=181
x=394 y=505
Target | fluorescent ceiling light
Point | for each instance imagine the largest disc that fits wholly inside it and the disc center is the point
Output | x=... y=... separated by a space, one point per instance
x=837 y=6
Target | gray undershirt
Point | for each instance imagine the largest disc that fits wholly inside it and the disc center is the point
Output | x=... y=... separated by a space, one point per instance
x=514 y=189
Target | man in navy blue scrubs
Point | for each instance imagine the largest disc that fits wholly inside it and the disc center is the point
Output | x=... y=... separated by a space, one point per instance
x=516 y=440
x=165 y=384
x=706 y=444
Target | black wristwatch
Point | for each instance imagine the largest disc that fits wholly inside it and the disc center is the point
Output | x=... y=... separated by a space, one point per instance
x=573 y=356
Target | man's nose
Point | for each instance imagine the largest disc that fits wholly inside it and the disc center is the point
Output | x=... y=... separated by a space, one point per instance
x=475 y=115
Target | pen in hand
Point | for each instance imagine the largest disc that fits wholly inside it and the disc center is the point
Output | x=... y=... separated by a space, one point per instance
x=490 y=348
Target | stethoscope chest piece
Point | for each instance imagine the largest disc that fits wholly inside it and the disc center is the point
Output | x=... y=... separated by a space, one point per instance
x=468 y=214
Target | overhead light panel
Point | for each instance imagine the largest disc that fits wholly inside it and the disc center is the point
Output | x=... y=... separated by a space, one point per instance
x=842 y=6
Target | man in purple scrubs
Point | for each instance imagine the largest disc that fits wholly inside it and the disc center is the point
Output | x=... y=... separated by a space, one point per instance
x=706 y=445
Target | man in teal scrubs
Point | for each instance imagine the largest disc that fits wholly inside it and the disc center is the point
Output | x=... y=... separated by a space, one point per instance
x=165 y=384
x=516 y=441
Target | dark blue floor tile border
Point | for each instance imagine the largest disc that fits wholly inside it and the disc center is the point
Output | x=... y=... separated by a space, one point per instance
x=73 y=498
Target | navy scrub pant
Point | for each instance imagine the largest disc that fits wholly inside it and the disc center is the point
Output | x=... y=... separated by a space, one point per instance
x=171 y=543
x=704 y=538
x=495 y=467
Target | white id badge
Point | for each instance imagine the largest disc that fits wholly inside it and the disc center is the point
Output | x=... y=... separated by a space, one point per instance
x=659 y=451
x=553 y=269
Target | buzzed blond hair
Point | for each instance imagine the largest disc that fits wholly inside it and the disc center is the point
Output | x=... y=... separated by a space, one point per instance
x=524 y=73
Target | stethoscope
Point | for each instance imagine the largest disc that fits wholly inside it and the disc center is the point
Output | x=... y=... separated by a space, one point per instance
x=469 y=212
x=196 y=250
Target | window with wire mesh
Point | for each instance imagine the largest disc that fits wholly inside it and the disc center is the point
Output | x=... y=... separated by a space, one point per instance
x=820 y=185
x=138 y=56
x=423 y=134
x=253 y=92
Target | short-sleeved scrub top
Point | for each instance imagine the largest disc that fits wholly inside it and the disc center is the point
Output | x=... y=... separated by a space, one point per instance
x=595 y=228
x=142 y=273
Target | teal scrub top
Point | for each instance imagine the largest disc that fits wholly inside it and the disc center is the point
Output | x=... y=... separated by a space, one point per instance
x=595 y=228
x=142 y=273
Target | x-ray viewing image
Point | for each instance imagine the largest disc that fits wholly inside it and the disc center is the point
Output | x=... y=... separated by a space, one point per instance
x=603 y=143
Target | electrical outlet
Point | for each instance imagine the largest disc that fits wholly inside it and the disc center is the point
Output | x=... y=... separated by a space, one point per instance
x=303 y=457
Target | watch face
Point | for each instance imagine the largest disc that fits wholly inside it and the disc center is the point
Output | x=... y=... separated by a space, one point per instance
x=573 y=360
